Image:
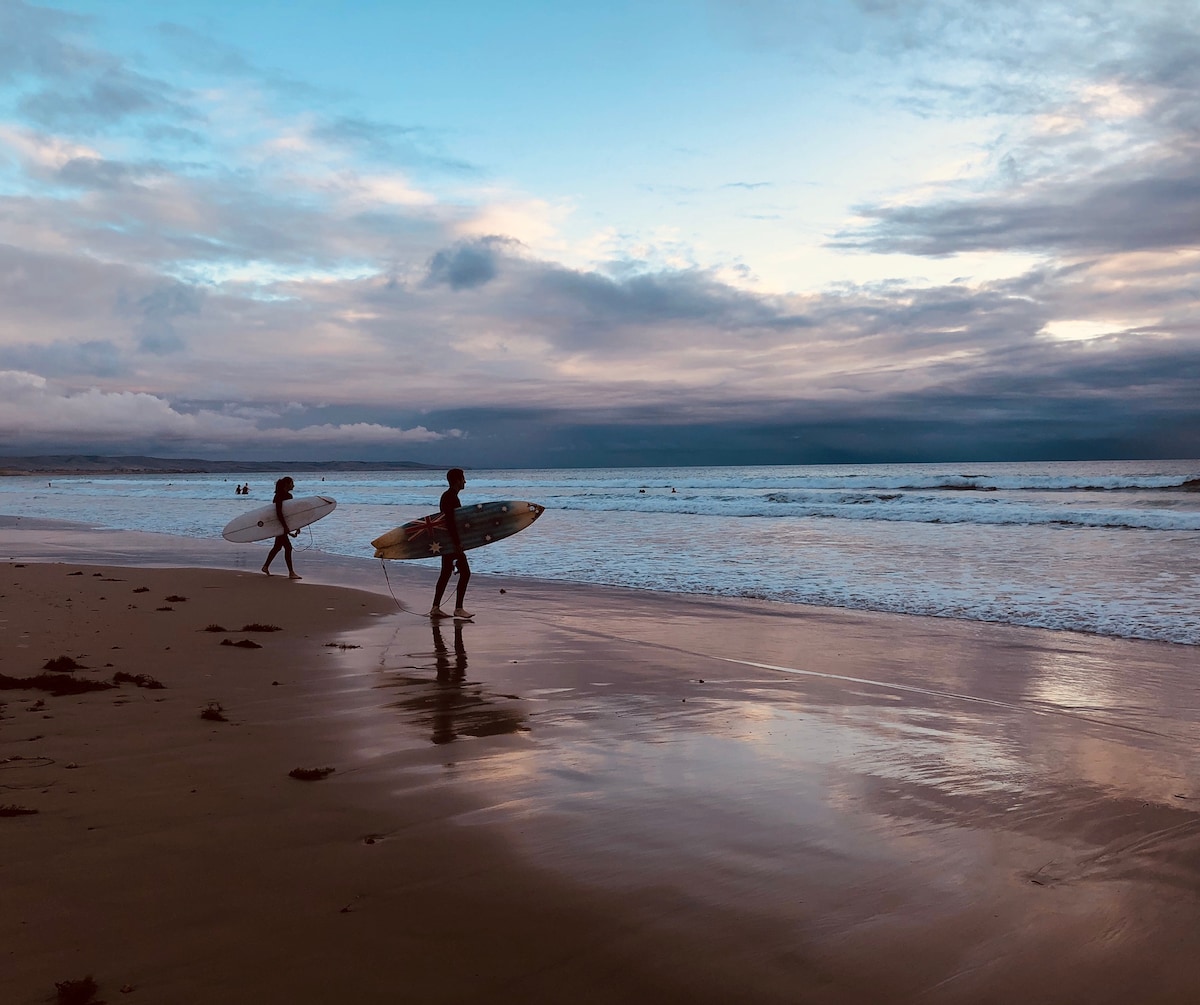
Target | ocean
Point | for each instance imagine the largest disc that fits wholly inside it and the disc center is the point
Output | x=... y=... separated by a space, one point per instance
x=1109 y=548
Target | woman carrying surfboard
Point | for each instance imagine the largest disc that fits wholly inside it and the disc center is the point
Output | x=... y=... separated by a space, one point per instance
x=449 y=503
x=283 y=492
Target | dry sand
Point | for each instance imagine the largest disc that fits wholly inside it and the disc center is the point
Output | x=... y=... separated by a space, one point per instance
x=587 y=795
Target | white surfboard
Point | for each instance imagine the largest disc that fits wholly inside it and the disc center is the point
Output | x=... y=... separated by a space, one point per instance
x=262 y=523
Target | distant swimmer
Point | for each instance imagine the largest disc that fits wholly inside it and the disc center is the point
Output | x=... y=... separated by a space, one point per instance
x=449 y=503
x=283 y=492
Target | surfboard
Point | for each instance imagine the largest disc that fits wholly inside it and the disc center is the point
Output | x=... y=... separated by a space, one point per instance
x=478 y=524
x=262 y=523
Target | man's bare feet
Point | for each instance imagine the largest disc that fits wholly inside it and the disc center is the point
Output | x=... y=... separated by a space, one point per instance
x=266 y=571
x=292 y=575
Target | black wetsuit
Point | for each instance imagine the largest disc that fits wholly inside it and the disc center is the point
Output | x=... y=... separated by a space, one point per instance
x=449 y=503
x=281 y=542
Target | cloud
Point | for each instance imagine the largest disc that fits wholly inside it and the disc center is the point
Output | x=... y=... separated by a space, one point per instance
x=205 y=54
x=96 y=358
x=110 y=96
x=32 y=42
x=96 y=173
x=389 y=143
x=468 y=264
x=60 y=304
x=202 y=51
x=1105 y=217
x=1004 y=57
x=1110 y=162
x=156 y=312
x=68 y=85
x=644 y=316
x=33 y=410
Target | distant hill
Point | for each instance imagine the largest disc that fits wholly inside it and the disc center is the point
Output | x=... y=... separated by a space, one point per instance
x=74 y=464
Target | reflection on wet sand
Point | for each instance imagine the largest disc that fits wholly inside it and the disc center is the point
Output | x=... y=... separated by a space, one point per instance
x=451 y=706
x=900 y=782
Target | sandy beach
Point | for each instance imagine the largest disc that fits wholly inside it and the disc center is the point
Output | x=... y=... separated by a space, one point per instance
x=585 y=795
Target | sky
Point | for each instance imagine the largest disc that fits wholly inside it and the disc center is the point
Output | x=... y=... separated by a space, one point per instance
x=531 y=233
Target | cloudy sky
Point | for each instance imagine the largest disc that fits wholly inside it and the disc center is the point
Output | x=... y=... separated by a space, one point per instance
x=630 y=231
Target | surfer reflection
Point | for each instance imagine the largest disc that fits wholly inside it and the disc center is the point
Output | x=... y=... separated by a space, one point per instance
x=449 y=704
x=283 y=492
x=450 y=677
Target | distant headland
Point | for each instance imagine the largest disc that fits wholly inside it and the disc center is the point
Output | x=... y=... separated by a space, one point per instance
x=96 y=464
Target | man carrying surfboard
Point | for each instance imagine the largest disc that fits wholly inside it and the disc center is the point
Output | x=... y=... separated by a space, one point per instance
x=449 y=503
x=283 y=492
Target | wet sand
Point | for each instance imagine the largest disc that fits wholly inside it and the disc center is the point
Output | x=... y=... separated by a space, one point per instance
x=586 y=795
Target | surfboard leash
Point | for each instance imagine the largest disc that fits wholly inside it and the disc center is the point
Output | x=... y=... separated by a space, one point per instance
x=311 y=544
x=399 y=603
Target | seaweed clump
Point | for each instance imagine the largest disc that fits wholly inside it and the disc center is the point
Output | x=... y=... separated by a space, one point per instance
x=77 y=992
x=13 y=810
x=62 y=664
x=140 y=679
x=310 y=774
x=56 y=685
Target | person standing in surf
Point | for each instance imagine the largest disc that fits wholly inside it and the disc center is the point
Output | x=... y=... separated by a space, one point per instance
x=283 y=491
x=449 y=503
